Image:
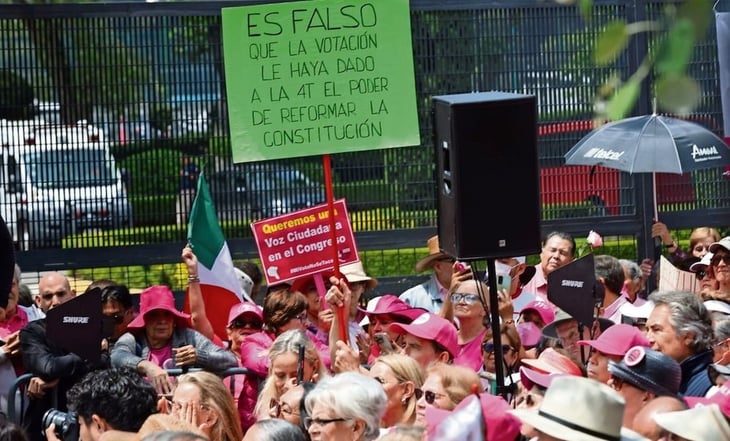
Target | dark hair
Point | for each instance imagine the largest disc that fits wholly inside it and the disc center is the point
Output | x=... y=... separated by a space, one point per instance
x=610 y=270
x=117 y=293
x=564 y=236
x=12 y=432
x=99 y=283
x=253 y=271
x=119 y=395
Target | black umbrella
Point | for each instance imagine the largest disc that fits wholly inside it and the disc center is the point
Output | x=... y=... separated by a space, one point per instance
x=651 y=144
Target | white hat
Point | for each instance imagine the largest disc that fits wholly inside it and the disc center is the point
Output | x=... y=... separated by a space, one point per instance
x=579 y=409
x=723 y=243
x=696 y=424
x=717 y=306
x=633 y=311
x=702 y=264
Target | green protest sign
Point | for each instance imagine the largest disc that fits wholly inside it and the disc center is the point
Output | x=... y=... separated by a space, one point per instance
x=316 y=77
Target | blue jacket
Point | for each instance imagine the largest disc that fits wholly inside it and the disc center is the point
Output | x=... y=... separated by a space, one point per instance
x=695 y=381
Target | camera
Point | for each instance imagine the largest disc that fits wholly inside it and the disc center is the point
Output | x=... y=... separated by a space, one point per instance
x=67 y=424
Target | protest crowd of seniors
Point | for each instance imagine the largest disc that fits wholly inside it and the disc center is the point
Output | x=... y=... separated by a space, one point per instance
x=418 y=365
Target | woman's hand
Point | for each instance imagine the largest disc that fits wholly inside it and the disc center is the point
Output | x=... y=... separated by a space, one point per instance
x=185 y=356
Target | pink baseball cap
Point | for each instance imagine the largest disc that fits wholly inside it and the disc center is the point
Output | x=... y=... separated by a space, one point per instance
x=528 y=377
x=551 y=361
x=391 y=305
x=242 y=308
x=499 y=425
x=541 y=307
x=617 y=340
x=429 y=326
x=721 y=398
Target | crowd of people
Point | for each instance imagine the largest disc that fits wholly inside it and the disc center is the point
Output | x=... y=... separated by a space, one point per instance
x=426 y=364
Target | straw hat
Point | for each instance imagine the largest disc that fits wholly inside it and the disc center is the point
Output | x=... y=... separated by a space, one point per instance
x=579 y=409
x=434 y=254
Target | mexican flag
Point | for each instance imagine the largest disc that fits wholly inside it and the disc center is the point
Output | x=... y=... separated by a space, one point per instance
x=218 y=281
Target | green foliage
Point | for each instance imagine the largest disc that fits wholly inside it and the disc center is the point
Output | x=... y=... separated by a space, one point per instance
x=16 y=96
x=153 y=172
x=161 y=118
x=676 y=33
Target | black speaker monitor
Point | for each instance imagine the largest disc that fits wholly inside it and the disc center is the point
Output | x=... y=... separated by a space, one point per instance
x=488 y=177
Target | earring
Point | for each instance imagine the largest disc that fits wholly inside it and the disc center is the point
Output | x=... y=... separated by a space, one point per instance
x=404 y=401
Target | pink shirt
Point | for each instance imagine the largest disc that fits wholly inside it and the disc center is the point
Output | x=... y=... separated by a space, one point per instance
x=539 y=286
x=470 y=353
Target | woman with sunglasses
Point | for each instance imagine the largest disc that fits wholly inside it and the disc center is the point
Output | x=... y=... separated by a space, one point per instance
x=720 y=265
x=512 y=355
x=445 y=386
x=244 y=319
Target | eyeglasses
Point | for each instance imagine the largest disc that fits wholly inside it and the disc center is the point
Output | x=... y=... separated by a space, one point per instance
x=240 y=323
x=699 y=275
x=280 y=408
x=716 y=259
x=309 y=422
x=489 y=348
x=428 y=395
x=468 y=298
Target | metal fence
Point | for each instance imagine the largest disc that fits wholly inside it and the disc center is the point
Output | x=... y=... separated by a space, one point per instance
x=147 y=80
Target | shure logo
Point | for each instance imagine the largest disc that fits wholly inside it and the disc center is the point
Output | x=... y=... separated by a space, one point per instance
x=600 y=153
x=71 y=319
x=705 y=151
x=573 y=283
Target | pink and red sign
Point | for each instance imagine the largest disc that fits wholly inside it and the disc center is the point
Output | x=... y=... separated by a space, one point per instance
x=299 y=244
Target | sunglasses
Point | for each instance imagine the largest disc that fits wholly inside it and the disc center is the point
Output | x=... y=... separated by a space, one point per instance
x=118 y=318
x=428 y=395
x=467 y=298
x=240 y=323
x=489 y=348
x=716 y=260
x=699 y=275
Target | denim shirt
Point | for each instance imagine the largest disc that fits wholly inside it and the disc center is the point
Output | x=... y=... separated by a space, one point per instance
x=695 y=381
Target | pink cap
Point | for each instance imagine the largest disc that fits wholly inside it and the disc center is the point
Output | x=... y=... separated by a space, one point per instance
x=530 y=334
x=551 y=361
x=392 y=305
x=617 y=340
x=242 y=308
x=541 y=307
x=721 y=398
x=500 y=425
x=429 y=326
x=528 y=377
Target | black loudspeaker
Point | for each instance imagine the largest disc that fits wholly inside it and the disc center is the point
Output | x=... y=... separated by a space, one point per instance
x=488 y=178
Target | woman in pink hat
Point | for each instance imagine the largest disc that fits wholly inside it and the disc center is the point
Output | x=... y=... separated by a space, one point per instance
x=161 y=336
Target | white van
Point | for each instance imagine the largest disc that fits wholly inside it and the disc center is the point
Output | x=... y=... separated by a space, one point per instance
x=60 y=180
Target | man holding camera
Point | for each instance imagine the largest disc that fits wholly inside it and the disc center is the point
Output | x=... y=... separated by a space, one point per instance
x=104 y=400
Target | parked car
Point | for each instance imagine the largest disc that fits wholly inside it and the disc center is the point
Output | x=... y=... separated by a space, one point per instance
x=256 y=190
x=61 y=180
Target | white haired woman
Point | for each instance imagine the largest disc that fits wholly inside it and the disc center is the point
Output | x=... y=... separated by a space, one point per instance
x=347 y=406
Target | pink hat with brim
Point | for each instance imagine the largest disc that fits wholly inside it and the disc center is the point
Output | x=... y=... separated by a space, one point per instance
x=617 y=340
x=429 y=326
x=154 y=298
x=530 y=377
x=391 y=305
x=242 y=308
x=500 y=425
x=551 y=361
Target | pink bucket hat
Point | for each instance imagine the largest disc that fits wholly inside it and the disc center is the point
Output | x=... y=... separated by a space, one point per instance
x=429 y=326
x=617 y=340
x=242 y=308
x=158 y=297
x=551 y=361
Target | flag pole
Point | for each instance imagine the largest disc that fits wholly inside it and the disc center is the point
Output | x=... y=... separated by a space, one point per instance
x=340 y=311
